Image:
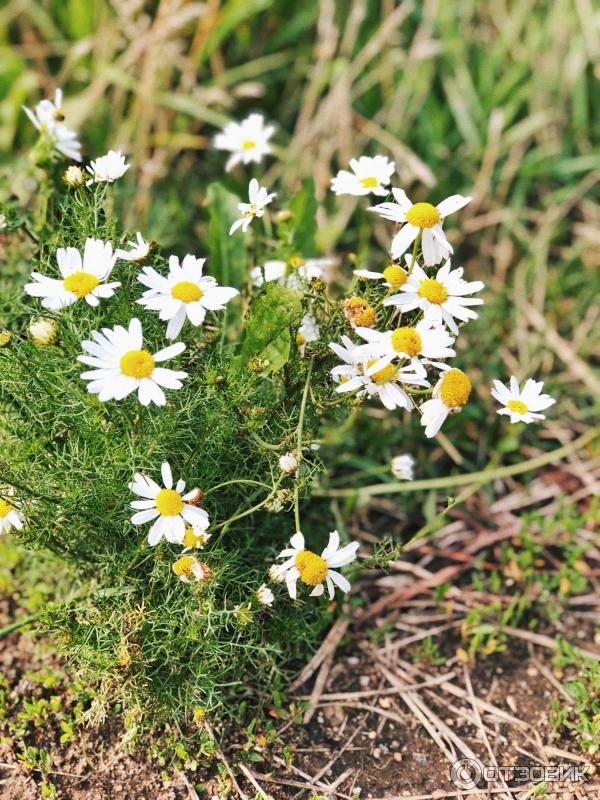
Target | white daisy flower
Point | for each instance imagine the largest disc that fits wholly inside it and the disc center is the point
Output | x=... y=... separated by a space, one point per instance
x=288 y=463
x=108 y=168
x=166 y=505
x=368 y=175
x=138 y=249
x=402 y=467
x=450 y=394
x=293 y=272
x=184 y=294
x=48 y=118
x=264 y=595
x=421 y=218
x=10 y=516
x=522 y=405
x=247 y=141
x=189 y=570
x=122 y=366
x=82 y=277
x=393 y=276
x=308 y=331
x=259 y=198
x=361 y=374
x=422 y=342
x=442 y=298
x=315 y=570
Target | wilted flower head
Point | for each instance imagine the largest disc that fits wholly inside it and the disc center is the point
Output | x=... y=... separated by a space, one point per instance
x=264 y=595
x=288 y=463
x=358 y=312
x=189 y=570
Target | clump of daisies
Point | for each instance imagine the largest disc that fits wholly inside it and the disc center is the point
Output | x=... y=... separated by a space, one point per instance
x=164 y=409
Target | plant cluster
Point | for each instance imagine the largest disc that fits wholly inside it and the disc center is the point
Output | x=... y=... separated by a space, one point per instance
x=186 y=396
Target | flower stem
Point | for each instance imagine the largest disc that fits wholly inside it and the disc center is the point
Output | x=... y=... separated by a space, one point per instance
x=486 y=475
x=299 y=441
x=414 y=253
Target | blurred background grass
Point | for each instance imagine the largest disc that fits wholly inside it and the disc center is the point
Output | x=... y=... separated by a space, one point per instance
x=495 y=99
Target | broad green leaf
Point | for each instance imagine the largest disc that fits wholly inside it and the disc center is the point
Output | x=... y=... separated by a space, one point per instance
x=268 y=336
x=304 y=214
x=228 y=262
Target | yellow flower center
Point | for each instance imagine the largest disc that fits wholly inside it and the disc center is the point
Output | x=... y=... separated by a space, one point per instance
x=193 y=539
x=423 y=215
x=407 y=340
x=5 y=509
x=382 y=375
x=186 y=291
x=81 y=283
x=517 y=406
x=368 y=183
x=395 y=275
x=296 y=261
x=455 y=388
x=312 y=568
x=183 y=565
x=434 y=291
x=249 y=144
x=137 y=364
x=169 y=503
x=300 y=339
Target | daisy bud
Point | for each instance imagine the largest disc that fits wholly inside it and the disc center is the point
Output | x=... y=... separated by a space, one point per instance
x=196 y=498
x=43 y=331
x=188 y=569
x=3 y=222
x=359 y=313
x=74 y=176
x=264 y=595
x=402 y=467
x=288 y=463
x=5 y=337
x=282 y=216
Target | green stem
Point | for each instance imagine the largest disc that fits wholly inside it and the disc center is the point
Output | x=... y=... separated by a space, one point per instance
x=14 y=626
x=414 y=253
x=486 y=475
x=236 y=481
x=299 y=441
